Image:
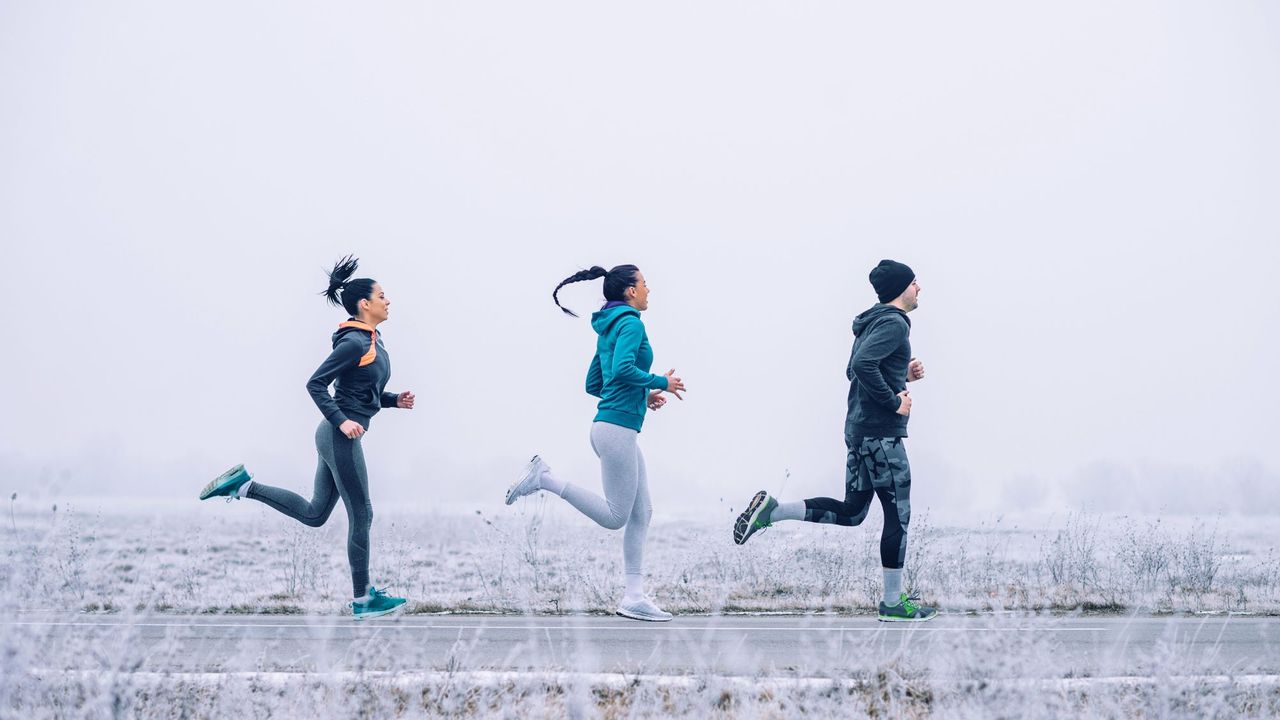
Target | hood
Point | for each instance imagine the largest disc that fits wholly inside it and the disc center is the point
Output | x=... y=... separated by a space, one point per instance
x=602 y=320
x=869 y=316
x=351 y=326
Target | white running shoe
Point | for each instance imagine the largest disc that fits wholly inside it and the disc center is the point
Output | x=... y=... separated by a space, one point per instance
x=643 y=609
x=528 y=483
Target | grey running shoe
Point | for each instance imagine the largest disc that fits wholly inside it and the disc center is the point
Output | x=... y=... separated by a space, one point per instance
x=757 y=516
x=643 y=609
x=529 y=480
x=907 y=610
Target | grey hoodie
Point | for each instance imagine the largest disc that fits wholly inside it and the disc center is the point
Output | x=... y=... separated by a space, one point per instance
x=877 y=372
x=359 y=368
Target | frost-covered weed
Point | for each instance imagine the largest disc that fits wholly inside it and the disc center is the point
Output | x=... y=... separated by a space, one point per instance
x=1070 y=559
x=1197 y=561
x=1143 y=554
x=304 y=565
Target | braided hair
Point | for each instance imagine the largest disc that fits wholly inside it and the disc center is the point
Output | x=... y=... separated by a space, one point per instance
x=616 y=282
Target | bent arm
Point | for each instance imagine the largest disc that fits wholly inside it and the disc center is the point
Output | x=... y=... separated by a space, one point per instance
x=630 y=335
x=346 y=355
x=881 y=340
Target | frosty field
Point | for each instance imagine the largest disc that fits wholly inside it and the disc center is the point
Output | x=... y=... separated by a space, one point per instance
x=245 y=558
x=133 y=567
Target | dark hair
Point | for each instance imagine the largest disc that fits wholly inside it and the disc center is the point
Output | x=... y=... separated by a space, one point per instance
x=616 y=282
x=352 y=291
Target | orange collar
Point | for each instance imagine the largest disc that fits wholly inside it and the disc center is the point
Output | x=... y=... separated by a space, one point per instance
x=357 y=324
x=369 y=357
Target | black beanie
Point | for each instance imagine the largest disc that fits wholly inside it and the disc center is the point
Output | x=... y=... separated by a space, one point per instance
x=890 y=279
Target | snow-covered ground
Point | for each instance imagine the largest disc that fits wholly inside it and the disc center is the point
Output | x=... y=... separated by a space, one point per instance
x=128 y=558
x=540 y=557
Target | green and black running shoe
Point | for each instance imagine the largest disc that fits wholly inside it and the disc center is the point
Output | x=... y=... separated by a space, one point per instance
x=907 y=610
x=757 y=516
x=378 y=604
x=227 y=484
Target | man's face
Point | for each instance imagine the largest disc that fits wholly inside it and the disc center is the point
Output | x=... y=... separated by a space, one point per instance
x=910 y=297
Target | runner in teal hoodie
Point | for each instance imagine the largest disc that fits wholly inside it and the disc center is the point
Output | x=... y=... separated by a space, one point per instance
x=619 y=375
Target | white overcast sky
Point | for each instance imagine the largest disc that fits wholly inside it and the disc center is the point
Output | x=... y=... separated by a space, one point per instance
x=1088 y=193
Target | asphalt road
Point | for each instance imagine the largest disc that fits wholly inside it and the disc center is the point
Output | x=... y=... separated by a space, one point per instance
x=728 y=645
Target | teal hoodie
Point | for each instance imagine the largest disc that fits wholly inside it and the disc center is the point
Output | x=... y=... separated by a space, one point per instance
x=619 y=373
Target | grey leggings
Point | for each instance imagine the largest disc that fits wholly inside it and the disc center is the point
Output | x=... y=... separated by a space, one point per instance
x=340 y=472
x=626 y=490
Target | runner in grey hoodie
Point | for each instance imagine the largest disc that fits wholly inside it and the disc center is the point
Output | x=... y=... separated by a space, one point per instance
x=879 y=406
x=358 y=368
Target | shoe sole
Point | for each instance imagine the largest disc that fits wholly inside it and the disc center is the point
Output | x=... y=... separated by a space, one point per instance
x=210 y=490
x=883 y=618
x=742 y=527
x=530 y=468
x=378 y=614
x=637 y=616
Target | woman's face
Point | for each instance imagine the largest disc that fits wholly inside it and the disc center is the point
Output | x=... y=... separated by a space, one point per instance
x=638 y=294
x=377 y=307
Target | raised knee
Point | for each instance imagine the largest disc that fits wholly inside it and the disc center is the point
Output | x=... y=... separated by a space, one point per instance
x=615 y=523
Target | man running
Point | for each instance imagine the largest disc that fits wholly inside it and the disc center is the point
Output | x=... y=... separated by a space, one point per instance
x=875 y=427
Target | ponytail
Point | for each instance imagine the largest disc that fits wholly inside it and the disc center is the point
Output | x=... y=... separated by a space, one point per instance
x=595 y=271
x=345 y=292
x=338 y=276
x=616 y=282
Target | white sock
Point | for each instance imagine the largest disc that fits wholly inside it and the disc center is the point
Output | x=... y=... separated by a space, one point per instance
x=635 y=586
x=788 y=511
x=892 y=586
x=551 y=483
x=243 y=492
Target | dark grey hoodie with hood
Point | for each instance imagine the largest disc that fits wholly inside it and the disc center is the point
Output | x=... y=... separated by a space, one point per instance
x=359 y=368
x=877 y=372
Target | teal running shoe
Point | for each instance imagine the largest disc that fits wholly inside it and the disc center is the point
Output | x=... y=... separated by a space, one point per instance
x=907 y=610
x=757 y=516
x=378 y=604
x=227 y=484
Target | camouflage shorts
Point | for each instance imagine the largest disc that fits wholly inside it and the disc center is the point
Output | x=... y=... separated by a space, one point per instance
x=878 y=463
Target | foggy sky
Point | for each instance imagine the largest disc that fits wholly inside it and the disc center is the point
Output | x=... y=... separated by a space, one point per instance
x=1087 y=193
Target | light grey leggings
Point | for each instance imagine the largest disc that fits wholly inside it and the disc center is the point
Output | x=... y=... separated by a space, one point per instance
x=626 y=490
